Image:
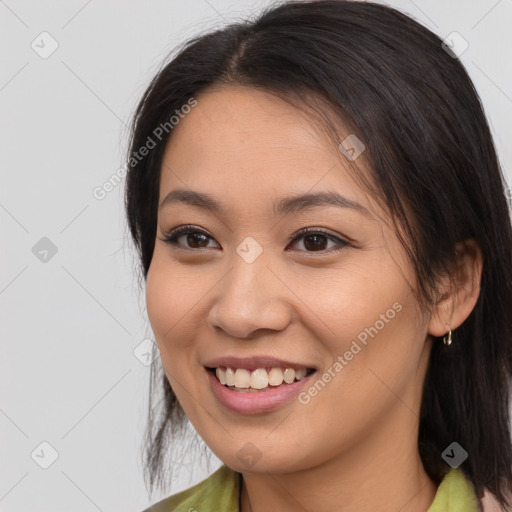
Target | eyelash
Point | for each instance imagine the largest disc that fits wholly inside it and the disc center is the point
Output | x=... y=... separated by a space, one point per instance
x=174 y=235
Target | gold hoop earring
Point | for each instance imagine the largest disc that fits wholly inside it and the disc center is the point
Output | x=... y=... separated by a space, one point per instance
x=447 y=339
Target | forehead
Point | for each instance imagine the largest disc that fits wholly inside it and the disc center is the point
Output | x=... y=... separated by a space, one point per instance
x=248 y=143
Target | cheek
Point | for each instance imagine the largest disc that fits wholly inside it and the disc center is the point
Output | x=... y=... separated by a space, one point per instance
x=377 y=349
x=169 y=308
x=172 y=296
x=169 y=304
x=157 y=301
x=347 y=300
x=369 y=317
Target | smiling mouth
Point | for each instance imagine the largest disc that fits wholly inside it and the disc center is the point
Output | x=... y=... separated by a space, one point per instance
x=249 y=381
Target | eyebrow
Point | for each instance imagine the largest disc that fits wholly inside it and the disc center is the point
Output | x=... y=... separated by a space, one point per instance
x=284 y=206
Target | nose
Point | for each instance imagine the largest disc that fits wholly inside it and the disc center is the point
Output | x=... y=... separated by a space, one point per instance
x=250 y=298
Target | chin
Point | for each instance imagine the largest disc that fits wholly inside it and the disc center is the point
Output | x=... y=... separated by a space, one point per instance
x=250 y=459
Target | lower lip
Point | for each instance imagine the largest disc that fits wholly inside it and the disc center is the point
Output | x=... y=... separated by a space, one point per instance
x=255 y=402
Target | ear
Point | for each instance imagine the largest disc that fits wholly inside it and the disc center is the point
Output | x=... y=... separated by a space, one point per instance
x=459 y=290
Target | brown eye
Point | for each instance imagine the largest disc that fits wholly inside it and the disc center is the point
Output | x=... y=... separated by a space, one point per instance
x=194 y=238
x=315 y=240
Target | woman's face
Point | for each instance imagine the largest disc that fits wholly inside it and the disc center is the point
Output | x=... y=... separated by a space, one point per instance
x=243 y=290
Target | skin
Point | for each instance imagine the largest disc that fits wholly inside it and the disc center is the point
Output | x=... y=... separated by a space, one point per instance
x=353 y=447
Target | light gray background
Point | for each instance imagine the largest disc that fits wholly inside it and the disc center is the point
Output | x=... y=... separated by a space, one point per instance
x=69 y=326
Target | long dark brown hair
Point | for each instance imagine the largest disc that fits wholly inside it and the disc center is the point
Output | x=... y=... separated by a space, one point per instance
x=414 y=106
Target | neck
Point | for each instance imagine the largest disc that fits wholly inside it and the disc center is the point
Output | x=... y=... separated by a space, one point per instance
x=382 y=472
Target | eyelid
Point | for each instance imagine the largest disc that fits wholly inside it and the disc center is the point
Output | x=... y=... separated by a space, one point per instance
x=188 y=227
x=323 y=231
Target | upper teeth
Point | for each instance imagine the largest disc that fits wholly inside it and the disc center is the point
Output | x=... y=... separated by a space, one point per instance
x=260 y=378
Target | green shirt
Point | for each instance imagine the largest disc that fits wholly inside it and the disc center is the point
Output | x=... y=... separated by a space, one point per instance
x=220 y=492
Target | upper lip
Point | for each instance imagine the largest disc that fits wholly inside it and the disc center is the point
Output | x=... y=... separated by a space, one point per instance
x=253 y=363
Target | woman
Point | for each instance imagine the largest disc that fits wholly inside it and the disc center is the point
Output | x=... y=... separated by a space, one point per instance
x=327 y=252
